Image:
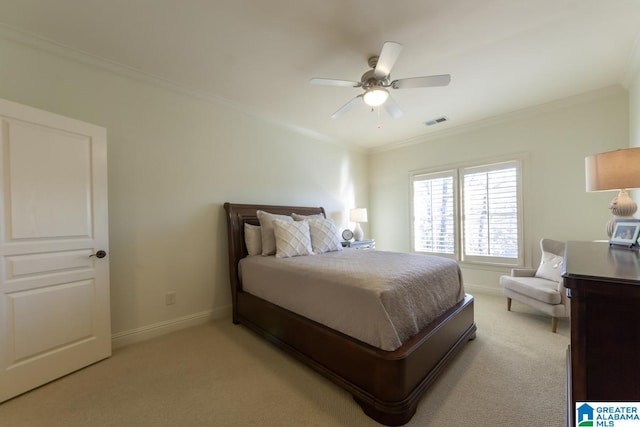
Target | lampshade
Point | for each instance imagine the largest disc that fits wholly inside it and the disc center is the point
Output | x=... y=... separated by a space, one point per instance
x=375 y=96
x=358 y=215
x=613 y=170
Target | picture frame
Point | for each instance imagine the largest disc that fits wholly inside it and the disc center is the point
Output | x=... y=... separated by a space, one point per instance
x=625 y=233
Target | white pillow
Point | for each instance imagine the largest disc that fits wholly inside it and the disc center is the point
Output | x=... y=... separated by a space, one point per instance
x=298 y=217
x=292 y=238
x=324 y=236
x=253 y=239
x=266 y=225
x=550 y=267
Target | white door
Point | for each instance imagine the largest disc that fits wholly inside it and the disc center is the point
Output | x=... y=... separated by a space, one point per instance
x=54 y=290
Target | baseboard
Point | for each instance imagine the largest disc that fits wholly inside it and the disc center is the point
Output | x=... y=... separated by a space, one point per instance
x=143 y=333
x=479 y=289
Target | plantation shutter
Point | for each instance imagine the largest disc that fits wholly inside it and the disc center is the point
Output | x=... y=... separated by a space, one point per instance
x=490 y=212
x=434 y=213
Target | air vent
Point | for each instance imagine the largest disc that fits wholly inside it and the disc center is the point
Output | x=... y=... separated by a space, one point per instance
x=436 y=121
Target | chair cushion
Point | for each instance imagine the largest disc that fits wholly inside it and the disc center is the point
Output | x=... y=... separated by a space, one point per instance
x=534 y=287
x=550 y=267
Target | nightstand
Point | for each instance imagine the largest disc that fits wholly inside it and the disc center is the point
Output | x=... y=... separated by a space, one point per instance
x=360 y=244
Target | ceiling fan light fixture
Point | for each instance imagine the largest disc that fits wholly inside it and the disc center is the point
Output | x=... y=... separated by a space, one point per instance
x=375 y=96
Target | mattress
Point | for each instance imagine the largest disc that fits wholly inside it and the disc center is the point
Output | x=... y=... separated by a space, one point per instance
x=378 y=297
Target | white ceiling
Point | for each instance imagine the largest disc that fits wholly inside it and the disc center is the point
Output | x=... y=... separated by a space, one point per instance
x=503 y=55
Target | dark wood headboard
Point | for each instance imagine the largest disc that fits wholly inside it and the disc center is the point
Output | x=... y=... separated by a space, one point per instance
x=237 y=216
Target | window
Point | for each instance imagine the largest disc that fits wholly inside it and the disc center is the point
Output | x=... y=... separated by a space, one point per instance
x=471 y=213
x=434 y=213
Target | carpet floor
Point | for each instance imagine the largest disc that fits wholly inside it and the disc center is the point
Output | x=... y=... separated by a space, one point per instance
x=220 y=374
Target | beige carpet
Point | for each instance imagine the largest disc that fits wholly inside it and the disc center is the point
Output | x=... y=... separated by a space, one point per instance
x=220 y=374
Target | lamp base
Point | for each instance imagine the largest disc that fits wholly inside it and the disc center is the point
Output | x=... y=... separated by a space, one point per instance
x=358 y=234
x=622 y=207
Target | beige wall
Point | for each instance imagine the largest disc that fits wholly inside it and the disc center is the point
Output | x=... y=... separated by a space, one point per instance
x=634 y=114
x=174 y=159
x=554 y=137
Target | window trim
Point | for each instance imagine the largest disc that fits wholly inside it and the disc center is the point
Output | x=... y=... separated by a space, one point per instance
x=457 y=169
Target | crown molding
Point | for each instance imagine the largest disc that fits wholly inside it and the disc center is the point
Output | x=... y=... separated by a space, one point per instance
x=632 y=70
x=88 y=59
x=513 y=116
x=57 y=49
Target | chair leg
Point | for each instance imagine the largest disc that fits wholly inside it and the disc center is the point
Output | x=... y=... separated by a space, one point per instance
x=508 y=304
x=554 y=324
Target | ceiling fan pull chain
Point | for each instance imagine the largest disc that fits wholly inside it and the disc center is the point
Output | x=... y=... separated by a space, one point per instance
x=379 y=122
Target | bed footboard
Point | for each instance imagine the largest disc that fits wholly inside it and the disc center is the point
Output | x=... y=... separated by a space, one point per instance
x=386 y=384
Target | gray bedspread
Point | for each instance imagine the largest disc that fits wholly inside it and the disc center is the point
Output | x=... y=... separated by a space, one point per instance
x=380 y=298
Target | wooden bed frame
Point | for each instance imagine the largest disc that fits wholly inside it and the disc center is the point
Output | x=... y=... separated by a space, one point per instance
x=386 y=384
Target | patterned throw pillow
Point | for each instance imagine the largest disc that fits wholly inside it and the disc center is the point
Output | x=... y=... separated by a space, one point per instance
x=292 y=238
x=299 y=217
x=324 y=236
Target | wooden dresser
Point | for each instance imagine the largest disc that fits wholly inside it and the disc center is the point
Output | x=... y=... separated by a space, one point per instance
x=603 y=356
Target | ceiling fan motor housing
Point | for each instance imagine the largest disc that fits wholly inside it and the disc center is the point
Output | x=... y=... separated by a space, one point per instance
x=369 y=80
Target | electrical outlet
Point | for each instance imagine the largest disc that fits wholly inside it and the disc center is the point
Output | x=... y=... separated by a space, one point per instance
x=170 y=298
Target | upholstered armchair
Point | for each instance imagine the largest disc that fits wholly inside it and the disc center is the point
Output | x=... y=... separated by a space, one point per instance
x=541 y=288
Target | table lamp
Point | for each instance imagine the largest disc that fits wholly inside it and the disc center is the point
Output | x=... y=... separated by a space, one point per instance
x=615 y=171
x=358 y=215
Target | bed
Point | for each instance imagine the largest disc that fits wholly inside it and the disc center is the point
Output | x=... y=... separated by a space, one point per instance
x=386 y=384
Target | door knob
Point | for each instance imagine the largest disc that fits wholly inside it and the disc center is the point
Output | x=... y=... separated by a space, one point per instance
x=99 y=254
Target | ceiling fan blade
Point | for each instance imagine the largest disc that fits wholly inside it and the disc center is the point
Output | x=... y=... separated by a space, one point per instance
x=427 y=81
x=392 y=108
x=346 y=107
x=388 y=57
x=333 y=82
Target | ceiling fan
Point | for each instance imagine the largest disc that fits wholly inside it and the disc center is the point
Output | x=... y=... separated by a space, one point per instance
x=376 y=82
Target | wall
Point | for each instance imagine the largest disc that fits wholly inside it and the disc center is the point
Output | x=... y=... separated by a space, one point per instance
x=632 y=81
x=555 y=138
x=634 y=109
x=174 y=159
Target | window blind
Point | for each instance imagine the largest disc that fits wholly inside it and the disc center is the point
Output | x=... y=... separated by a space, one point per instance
x=473 y=214
x=490 y=199
x=434 y=213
